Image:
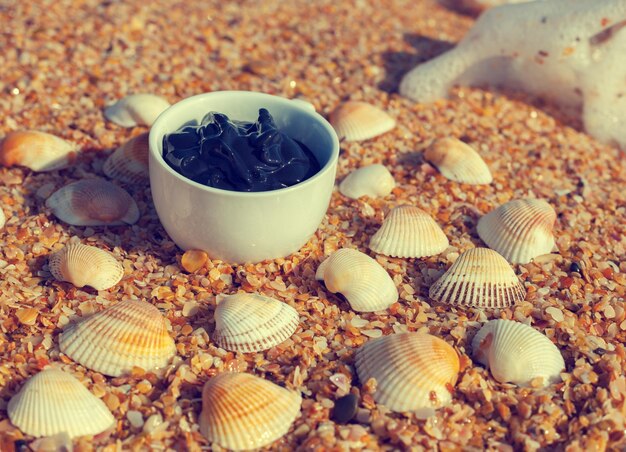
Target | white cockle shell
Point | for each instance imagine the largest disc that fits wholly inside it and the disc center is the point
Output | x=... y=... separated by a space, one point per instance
x=84 y=265
x=136 y=109
x=371 y=180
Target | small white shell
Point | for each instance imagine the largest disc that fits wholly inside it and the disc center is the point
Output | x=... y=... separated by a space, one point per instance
x=517 y=353
x=3 y=219
x=458 y=161
x=408 y=231
x=129 y=162
x=372 y=180
x=136 y=109
x=38 y=151
x=359 y=121
x=84 y=265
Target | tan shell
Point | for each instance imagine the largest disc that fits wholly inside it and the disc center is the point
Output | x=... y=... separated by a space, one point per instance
x=129 y=162
x=252 y=323
x=458 y=161
x=3 y=219
x=481 y=278
x=371 y=180
x=84 y=265
x=519 y=230
x=38 y=151
x=359 y=121
x=241 y=411
x=122 y=336
x=413 y=371
x=93 y=202
x=136 y=109
x=54 y=402
x=408 y=231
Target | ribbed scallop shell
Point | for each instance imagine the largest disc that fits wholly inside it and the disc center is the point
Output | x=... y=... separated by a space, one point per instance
x=84 y=265
x=38 y=151
x=372 y=180
x=517 y=353
x=136 y=109
x=241 y=411
x=93 y=202
x=54 y=402
x=458 y=161
x=124 y=335
x=481 y=278
x=413 y=371
x=364 y=282
x=359 y=121
x=129 y=162
x=519 y=230
x=251 y=322
x=409 y=232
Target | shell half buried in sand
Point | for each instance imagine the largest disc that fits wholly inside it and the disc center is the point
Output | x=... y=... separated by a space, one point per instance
x=458 y=161
x=129 y=162
x=360 y=121
x=38 y=151
x=136 y=109
x=371 y=180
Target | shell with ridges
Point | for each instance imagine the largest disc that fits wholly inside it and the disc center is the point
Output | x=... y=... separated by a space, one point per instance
x=371 y=180
x=408 y=231
x=517 y=353
x=54 y=402
x=251 y=322
x=413 y=371
x=136 y=109
x=129 y=162
x=458 y=161
x=519 y=230
x=84 y=265
x=241 y=411
x=122 y=336
x=480 y=277
x=38 y=151
x=359 y=121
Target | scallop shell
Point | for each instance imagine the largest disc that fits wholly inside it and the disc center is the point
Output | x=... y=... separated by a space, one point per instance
x=481 y=278
x=84 y=265
x=93 y=202
x=241 y=411
x=458 y=161
x=372 y=180
x=122 y=336
x=517 y=353
x=413 y=371
x=129 y=162
x=252 y=323
x=364 y=282
x=54 y=402
x=359 y=121
x=409 y=232
x=38 y=151
x=136 y=109
x=519 y=230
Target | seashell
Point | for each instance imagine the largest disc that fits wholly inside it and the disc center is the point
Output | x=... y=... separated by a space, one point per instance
x=458 y=161
x=93 y=202
x=364 y=282
x=241 y=411
x=136 y=109
x=54 y=402
x=3 y=219
x=359 y=121
x=38 y=151
x=251 y=323
x=122 y=336
x=481 y=278
x=517 y=353
x=129 y=162
x=84 y=265
x=519 y=230
x=409 y=232
x=372 y=180
x=413 y=371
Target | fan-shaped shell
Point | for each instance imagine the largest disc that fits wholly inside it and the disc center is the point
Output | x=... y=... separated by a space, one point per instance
x=136 y=109
x=409 y=232
x=84 y=265
x=364 y=282
x=93 y=202
x=480 y=277
x=413 y=371
x=458 y=161
x=359 y=121
x=517 y=353
x=519 y=230
x=54 y=402
x=129 y=162
x=124 y=335
x=251 y=322
x=372 y=180
x=38 y=151
x=241 y=411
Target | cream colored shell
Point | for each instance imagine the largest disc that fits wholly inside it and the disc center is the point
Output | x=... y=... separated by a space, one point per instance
x=129 y=162
x=458 y=161
x=3 y=219
x=371 y=180
x=38 y=151
x=136 y=109
x=359 y=121
x=84 y=265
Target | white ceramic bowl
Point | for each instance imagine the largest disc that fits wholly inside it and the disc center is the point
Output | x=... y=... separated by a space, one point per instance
x=240 y=227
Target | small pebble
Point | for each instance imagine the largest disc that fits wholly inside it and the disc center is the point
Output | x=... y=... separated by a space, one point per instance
x=345 y=408
x=575 y=268
x=135 y=418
